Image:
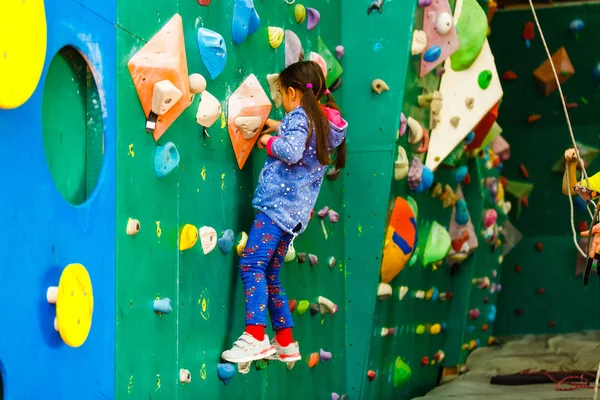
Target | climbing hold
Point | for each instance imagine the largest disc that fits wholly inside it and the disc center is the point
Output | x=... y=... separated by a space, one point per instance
x=545 y=76
x=242 y=239
x=472 y=27
x=335 y=396
x=518 y=268
x=435 y=329
x=402 y=372
x=188 y=237
x=292 y=305
x=484 y=79
x=339 y=51
x=324 y=355
x=300 y=13
x=401 y=165
x=212 y=51
x=402 y=292
x=371 y=375
x=166 y=158
x=437 y=245
x=293 y=48
x=400 y=240
x=432 y=294
x=454 y=121
x=291 y=252
x=576 y=26
x=482 y=283
x=415 y=173
x=208 y=239
x=519 y=311
x=225 y=242
x=313 y=360
x=552 y=324
x=443 y=23
x=419 y=42
x=473 y=344
x=164 y=96
x=402 y=128
x=197 y=83
x=528 y=33
x=225 y=371
x=415 y=133
x=273 y=81
x=432 y=54
x=301 y=258
x=474 y=313
x=248 y=100
x=460 y=173
x=317 y=58
x=162 y=306
x=326 y=306
x=379 y=86
x=333 y=173
x=334 y=217
x=426 y=179
x=384 y=291
x=539 y=246
x=209 y=110
x=248 y=126
x=424 y=361
x=314 y=260
x=303 y=307
x=245 y=20
x=185 y=376
x=420 y=329
x=420 y=294
x=469 y=103
x=439 y=356
x=275 y=36
x=332 y=262
x=314 y=309
x=524 y=171
x=462 y=213
x=313 y=18
x=509 y=76
x=388 y=331
x=541 y=291
x=133 y=226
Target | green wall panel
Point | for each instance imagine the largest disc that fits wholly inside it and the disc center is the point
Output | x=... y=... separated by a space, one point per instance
x=538 y=147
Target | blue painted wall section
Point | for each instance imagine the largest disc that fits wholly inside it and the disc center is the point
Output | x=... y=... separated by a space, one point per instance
x=42 y=233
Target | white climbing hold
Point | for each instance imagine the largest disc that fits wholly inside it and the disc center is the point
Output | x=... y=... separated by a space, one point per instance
x=248 y=125
x=420 y=294
x=197 y=83
x=415 y=133
x=208 y=238
x=326 y=305
x=384 y=291
x=164 y=97
x=273 y=81
x=402 y=292
x=209 y=110
x=443 y=23
x=419 y=42
x=401 y=165
x=185 y=376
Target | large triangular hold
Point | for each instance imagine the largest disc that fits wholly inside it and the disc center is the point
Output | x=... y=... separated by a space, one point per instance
x=587 y=153
x=334 y=69
x=520 y=192
x=512 y=237
x=441 y=41
x=249 y=108
x=483 y=128
x=162 y=59
x=545 y=77
x=467 y=97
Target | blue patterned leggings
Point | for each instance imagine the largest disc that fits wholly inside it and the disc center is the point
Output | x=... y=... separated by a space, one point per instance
x=259 y=267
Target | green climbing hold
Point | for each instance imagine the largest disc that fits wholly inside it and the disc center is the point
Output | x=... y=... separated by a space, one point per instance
x=334 y=69
x=472 y=29
x=413 y=259
x=484 y=79
x=413 y=205
x=303 y=307
x=438 y=244
x=262 y=364
x=402 y=372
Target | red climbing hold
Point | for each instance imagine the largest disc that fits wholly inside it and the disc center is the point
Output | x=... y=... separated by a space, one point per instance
x=539 y=246
x=484 y=327
x=503 y=181
x=449 y=296
x=541 y=290
x=572 y=105
x=292 y=305
x=425 y=360
x=528 y=31
x=509 y=76
x=518 y=268
x=524 y=201
x=524 y=171
x=552 y=324
x=519 y=311
x=533 y=118
x=467 y=179
x=371 y=375
x=204 y=2
x=582 y=226
x=486 y=300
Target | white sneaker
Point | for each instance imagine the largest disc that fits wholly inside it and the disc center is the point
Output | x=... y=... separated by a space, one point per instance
x=289 y=353
x=247 y=349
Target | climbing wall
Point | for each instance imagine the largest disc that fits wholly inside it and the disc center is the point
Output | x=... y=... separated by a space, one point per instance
x=57 y=202
x=208 y=189
x=541 y=293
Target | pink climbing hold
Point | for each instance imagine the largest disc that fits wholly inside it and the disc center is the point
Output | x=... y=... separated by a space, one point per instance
x=333 y=216
x=325 y=355
x=314 y=260
x=339 y=50
x=335 y=396
x=415 y=173
x=403 y=125
x=474 y=313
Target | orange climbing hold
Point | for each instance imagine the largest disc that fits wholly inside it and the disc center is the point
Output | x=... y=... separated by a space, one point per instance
x=525 y=201
x=483 y=127
x=467 y=179
x=539 y=246
x=313 y=360
x=545 y=76
x=371 y=375
x=524 y=171
x=162 y=59
x=533 y=118
x=292 y=305
x=484 y=327
x=400 y=240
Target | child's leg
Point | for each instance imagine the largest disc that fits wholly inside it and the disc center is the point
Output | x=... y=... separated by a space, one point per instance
x=281 y=318
x=262 y=241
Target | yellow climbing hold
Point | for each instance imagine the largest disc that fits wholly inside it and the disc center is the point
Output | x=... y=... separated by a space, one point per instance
x=420 y=329
x=188 y=238
x=223 y=122
x=435 y=329
x=203 y=173
x=241 y=243
x=300 y=13
x=203 y=372
x=22 y=49
x=275 y=36
x=223 y=181
x=74 y=305
x=131 y=152
x=303 y=307
x=158 y=230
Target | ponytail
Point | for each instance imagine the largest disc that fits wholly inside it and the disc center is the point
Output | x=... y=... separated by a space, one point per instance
x=340 y=151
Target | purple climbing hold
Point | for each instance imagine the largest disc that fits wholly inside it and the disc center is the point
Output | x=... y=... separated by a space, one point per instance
x=335 y=396
x=324 y=355
x=415 y=173
x=333 y=216
x=323 y=212
x=424 y=3
x=313 y=18
x=402 y=125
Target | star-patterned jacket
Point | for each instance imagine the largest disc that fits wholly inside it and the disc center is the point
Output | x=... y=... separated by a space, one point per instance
x=290 y=181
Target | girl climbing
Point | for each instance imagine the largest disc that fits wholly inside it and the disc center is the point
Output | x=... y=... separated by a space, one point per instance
x=287 y=190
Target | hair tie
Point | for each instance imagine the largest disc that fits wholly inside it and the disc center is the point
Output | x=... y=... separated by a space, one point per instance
x=309 y=86
x=326 y=91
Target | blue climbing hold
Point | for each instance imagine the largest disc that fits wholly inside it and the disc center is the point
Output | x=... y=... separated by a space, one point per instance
x=162 y=306
x=444 y=326
x=432 y=54
x=469 y=138
x=245 y=20
x=435 y=295
x=470 y=329
x=226 y=371
x=492 y=313
x=213 y=51
x=462 y=214
x=166 y=158
x=426 y=180
x=460 y=173
x=579 y=204
x=576 y=26
x=225 y=242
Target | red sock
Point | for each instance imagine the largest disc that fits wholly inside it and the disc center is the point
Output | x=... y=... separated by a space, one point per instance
x=284 y=336
x=258 y=331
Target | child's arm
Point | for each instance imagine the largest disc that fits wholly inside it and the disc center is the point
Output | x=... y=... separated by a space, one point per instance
x=567 y=186
x=290 y=146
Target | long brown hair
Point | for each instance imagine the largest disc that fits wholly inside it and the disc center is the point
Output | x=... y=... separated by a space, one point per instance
x=298 y=76
x=340 y=151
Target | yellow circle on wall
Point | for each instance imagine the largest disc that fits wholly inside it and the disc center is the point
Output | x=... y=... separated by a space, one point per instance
x=74 y=305
x=22 y=49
